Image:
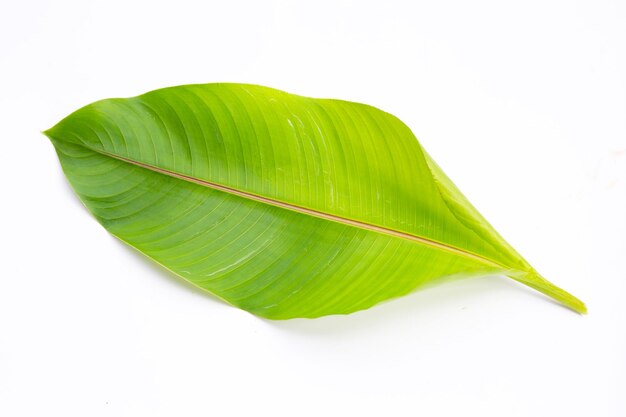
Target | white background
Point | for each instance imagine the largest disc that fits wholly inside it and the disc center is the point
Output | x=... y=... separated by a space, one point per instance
x=522 y=103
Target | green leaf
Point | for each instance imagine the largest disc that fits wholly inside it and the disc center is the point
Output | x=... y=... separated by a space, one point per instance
x=282 y=205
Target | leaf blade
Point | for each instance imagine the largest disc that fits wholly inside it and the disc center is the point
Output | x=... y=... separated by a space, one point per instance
x=119 y=129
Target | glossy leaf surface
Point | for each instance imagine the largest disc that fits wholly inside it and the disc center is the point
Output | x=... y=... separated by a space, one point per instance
x=282 y=205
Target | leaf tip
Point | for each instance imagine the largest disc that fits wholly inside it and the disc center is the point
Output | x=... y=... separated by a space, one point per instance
x=47 y=133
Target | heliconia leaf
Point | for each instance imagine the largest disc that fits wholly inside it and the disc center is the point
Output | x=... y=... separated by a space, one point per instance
x=282 y=205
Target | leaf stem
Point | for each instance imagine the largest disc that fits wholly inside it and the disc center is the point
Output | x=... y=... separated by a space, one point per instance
x=534 y=280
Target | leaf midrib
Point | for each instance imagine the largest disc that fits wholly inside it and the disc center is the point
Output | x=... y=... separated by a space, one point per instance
x=311 y=212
